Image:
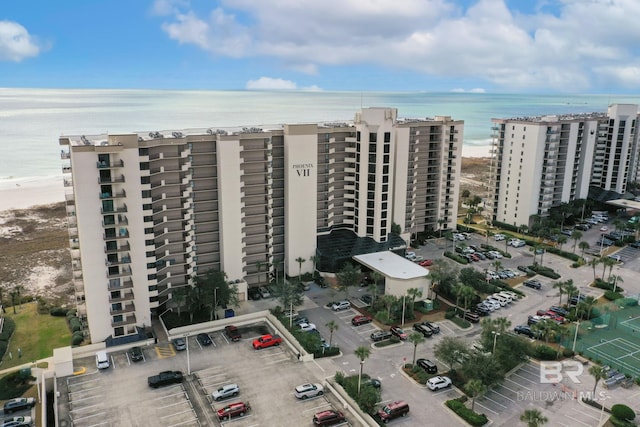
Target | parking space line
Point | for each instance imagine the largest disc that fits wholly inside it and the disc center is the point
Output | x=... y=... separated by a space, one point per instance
x=485 y=407
x=285 y=359
x=177 y=413
x=84 y=389
x=74 y=419
x=82 y=382
x=97 y=396
x=184 y=422
x=526 y=379
x=512 y=391
x=497 y=403
x=577 y=420
x=506 y=397
x=99 y=405
x=169 y=395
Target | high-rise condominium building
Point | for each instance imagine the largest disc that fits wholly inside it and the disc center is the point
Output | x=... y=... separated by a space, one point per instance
x=541 y=162
x=149 y=212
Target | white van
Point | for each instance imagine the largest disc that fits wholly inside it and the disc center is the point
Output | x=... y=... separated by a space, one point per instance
x=102 y=360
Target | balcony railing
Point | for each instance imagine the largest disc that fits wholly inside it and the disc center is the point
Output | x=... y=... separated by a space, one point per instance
x=105 y=165
x=127 y=308
x=125 y=296
x=112 y=195
x=124 y=284
x=127 y=321
x=120 y=235
x=110 y=179
x=114 y=209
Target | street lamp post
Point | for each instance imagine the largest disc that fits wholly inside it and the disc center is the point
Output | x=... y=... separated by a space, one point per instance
x=495 y=339
x=186 y=339
x=575 y=336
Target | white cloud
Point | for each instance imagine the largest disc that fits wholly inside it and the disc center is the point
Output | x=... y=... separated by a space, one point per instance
x=16 y=43
x=571 y=49
x=268 y=83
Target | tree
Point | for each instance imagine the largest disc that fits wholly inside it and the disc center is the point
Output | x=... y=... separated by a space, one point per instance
x=560 y=285
x=547 y=329
x=179 y=296
x=562 y=239
x=413 y=294
x=361 y=353
x=416 y=338
x=474 y=388
x=575 y=235
x=623 y=412
x=315 y=259
x=332 y=326
x=215 y=291
x=388 y=301
x=374 y=287
x=287 y=293
x=467 y=294
x=451 y=351
x=615 y=279
x=585 y=306
x=583 y=247
x=594 y=263
x=533 y=418
x=598 y=373
x=348 y=276
x=570 y=289
x=497 y=265
x=440 y=222
x=300 y=261
x=607 y=262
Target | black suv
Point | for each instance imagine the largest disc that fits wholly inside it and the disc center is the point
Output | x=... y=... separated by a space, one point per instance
x=18 y=404
x=525 y=330
x=135 y=353
x=559 y=310
x=532 y=284
x=419 y=327
x=434 y=328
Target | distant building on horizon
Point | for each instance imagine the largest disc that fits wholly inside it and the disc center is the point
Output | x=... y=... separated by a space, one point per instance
x=544 y=161
x=149 y=212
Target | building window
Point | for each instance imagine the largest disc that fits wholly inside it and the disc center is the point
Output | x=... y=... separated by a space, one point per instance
x=373 y=137
x=387 y=137
x=143 y=151
x=144 y=166
x=358 y=138
x=145 y=180
x=118 y=332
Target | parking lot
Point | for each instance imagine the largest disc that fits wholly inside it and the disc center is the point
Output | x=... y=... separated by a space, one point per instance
x=267 y=378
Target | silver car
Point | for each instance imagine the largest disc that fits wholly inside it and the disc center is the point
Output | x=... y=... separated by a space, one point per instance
x=304 y=391
x=225 y=392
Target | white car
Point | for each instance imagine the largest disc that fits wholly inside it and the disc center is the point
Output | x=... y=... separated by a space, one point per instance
x=496 y=254
x=305 y=391
x=498 y=237
x=492 y=303
x=341 y=305
x=225 y=392
x=264 y=292
x=436 y=383
x=510 y=295
x=307 y=327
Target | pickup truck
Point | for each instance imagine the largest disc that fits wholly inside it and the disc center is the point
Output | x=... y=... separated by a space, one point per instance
x=232 y=333
x=165 y=378
x=266 y=341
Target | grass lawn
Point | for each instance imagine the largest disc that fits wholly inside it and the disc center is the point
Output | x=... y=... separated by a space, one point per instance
x=36 y=334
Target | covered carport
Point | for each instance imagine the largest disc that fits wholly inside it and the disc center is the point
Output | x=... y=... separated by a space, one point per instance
x=399 y=273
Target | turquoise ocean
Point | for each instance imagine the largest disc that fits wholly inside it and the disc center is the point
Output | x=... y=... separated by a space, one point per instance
x=32 y=120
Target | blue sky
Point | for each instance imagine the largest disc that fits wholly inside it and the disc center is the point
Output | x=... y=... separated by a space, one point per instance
x=539 y=46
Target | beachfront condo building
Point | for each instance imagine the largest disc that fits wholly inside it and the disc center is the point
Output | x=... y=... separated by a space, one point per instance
x=149 y=212
x=544 y=161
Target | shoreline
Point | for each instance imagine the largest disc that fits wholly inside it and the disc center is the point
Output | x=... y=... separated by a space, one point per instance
x=26 y=193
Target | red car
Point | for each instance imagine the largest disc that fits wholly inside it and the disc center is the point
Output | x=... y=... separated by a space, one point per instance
x=266 y=341
x=399 y=332
x=233 y=410
x=426 y=263
x=360 y=320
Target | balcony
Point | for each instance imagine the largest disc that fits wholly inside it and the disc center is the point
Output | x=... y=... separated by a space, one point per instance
x=125 y=272
x=110 y=179
x=117 y=285
x=122 y=248
x=125 y=259
x=105 y=165
x=127 y=308
x=124 y=296
x=112 y=195
x=122 y=234
x=114 y=209
x=131 y=320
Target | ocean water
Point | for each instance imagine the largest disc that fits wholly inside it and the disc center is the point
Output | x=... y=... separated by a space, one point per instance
x=32 y=120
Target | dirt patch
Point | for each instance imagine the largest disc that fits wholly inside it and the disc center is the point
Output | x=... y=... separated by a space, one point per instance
x=34 y=253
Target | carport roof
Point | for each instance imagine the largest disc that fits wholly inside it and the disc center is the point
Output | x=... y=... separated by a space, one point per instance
x=625 y=203
x=392 y=265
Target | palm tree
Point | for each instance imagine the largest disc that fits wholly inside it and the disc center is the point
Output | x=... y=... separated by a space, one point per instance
x=500 y=324
x=616 y=279
x=468 y=293
x=575 y=235
x=497 y=265
x=547 y=328
x=570 y=289
x=474 y=388
x=440 y=222
x=562 y=240
x=607 y=262
x=618 y=224
x=415 y=338
x=178 y=296
x=583 y=247
x=458 y=290
x=414 y=293
x=332 y=326
x=376 y=278
x=388 y=301
x=560 y=287
x=586 y=305
x=361 y=353
x=533 y=418
x=594 y=263
x=598 y=373
x=315 y=259
x=300 y=261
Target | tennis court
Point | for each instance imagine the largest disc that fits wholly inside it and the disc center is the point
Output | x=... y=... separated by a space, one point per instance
x=613 y=338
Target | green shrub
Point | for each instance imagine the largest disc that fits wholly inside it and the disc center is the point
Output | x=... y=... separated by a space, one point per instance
x=71 y=313
x=544 y=352
x=612 y=296
x=58 y=311
x=326 y=352
x=456 y=258
x=3 y=348
x=450 y=314
x=545 y=271
x=339 y=376
x=623 y=412
x=567 y=352
x=467 y=414
x=75 y=325
x=76 y=339
x=7 y=329
x=564 y=254
x=13 y=385
x=394 y=339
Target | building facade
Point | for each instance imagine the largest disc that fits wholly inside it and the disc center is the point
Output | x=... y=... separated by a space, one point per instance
x=149 y=212
x=541 y=162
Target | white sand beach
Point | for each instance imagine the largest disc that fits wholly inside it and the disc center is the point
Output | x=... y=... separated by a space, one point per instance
x=23 y=194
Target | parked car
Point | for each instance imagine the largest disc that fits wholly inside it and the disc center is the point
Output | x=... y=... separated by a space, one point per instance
x=419 y=327
x=266 y=341
x=427 y=365
x=360 y=320
x=438 y=382
x=225 y=392
x=328 y=418
x=164 y=378
x=307 y=327
x=264 y=292
x=426 y=263
x=305 y=391
x=380 y=335
x=481 y=310
x=341 y=305
x=498 y=237
x=525 y=330
x=559 y=310
x=393 y=410
x=23 y=421
x=471 y=317
x=204 y=339
x=367 y=299
x=18 y=404
x=481 y=256
x=534 y=284
x=399 y=332
x=179 y=344
x=434 y=328
x=135 y=353
x=232 y=333
x=232 y=410
x=254 y=294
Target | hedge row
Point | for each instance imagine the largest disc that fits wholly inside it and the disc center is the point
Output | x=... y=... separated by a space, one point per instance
x=7 y=331
x=545 y=271
x=456 y=258
x=467 y=414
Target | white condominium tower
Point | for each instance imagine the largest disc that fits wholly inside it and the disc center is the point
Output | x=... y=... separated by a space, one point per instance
x=148 y=212
x=541 y=162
